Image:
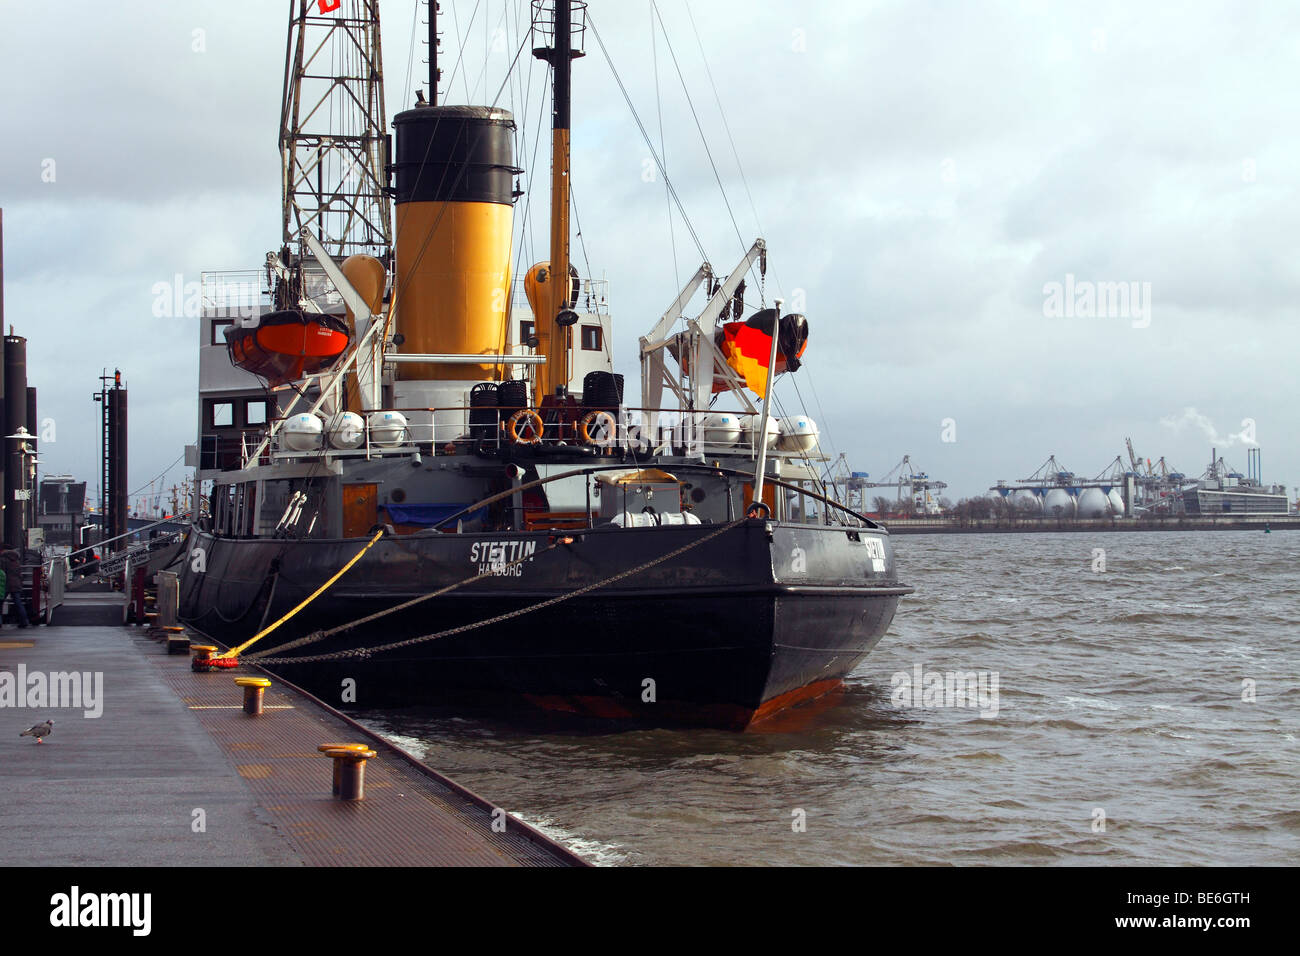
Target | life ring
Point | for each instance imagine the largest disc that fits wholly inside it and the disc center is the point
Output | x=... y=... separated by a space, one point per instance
x=525 y=427
x=598 y=428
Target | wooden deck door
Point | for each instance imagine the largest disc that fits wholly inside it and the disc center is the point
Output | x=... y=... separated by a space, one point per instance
x=360 y=509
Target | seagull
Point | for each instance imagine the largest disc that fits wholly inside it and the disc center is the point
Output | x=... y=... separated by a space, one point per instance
x=39 y=731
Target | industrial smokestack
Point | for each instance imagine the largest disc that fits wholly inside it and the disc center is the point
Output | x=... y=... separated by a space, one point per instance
x=33 y=482
x=15 y=417
x=117 y=490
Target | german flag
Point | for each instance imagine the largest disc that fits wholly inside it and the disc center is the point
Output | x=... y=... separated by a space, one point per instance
x=747 y=345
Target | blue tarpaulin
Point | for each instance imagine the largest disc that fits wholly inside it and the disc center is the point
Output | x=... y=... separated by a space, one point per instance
x=426 y=515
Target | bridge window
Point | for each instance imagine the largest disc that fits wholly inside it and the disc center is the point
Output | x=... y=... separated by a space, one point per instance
x=219 y=327
x=591 y=338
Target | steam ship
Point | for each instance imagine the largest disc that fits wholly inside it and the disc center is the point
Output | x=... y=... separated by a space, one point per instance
x=459 y=504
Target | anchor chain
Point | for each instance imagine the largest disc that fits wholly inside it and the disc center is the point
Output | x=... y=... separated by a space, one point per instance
x=315 y=636
x=363 y=653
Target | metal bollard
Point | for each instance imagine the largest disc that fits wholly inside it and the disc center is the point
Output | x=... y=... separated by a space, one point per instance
x=202 y=656
x=254 y=687
x=326 y=748
x=349 y=769
x=177 y=642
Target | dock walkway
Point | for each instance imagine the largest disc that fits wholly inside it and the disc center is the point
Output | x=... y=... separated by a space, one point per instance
x=174 y=773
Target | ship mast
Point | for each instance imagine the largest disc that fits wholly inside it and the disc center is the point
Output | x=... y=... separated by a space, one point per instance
x=435 y=74
x=556 y=317
x=332 y=130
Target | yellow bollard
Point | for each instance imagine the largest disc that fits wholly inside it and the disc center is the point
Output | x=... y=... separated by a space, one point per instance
x=254 y=687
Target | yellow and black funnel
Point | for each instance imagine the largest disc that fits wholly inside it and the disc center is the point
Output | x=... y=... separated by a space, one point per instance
x=454 y=178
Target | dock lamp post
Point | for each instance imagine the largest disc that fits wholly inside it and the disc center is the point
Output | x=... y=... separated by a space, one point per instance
x=16 y=527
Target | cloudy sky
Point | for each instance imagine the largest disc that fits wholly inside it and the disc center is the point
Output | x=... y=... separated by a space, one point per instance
x=931 y=178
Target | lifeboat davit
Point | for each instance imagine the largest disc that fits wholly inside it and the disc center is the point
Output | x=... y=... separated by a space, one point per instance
x=285 y=346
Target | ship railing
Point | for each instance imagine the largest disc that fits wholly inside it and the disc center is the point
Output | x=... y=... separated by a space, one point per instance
x=238 y=294
x=246 y=293
x=799 y=503
x=544 y=23
x=458 y=430
x=593 y=297
x=636 y=435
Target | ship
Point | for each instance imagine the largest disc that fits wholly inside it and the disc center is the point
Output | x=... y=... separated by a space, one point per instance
x=460 y=506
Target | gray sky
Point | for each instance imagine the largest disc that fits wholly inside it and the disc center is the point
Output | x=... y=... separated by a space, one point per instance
x=921 y=171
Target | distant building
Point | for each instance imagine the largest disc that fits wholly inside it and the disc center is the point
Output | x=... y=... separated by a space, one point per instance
x=1225 y=491
x=1219 y=498
x=62 y=509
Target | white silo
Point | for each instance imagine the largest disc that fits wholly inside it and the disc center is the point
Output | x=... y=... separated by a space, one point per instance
x=1028 y=501
x=1093 y=503
x=1116 y=502
x=1058 y=503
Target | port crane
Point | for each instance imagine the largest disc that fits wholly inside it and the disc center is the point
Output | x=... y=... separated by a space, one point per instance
x=850 y=485
x=1134 y=460
x=913 y=486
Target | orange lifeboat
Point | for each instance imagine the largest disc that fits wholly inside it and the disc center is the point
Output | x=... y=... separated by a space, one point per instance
x=286 y=346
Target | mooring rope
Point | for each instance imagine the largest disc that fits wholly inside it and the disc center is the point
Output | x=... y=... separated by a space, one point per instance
x=234 y=651
x=365 y=652
x=315 y=636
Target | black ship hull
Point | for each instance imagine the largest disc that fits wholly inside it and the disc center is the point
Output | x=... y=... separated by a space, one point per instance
x=727 y=633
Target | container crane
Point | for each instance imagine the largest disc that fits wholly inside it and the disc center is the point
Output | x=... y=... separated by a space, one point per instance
x=913 y=485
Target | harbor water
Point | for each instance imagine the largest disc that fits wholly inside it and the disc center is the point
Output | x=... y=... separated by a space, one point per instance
x=1132 y=699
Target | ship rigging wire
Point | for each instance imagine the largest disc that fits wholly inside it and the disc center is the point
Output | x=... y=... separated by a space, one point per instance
x=654 y=154
x=162 y=474
x=704 y=140
x=424 y=246
x=740 y=168
x=659 y=109
x=410 y=51
x=526 y=236
x=461 y=42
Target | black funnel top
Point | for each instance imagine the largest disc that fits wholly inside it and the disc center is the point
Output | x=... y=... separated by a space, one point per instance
x=455 y=154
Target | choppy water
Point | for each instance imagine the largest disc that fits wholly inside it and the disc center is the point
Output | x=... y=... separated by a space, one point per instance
x=1119 y=693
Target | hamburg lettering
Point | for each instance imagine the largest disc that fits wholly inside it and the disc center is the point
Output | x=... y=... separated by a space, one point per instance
x=492 y=557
